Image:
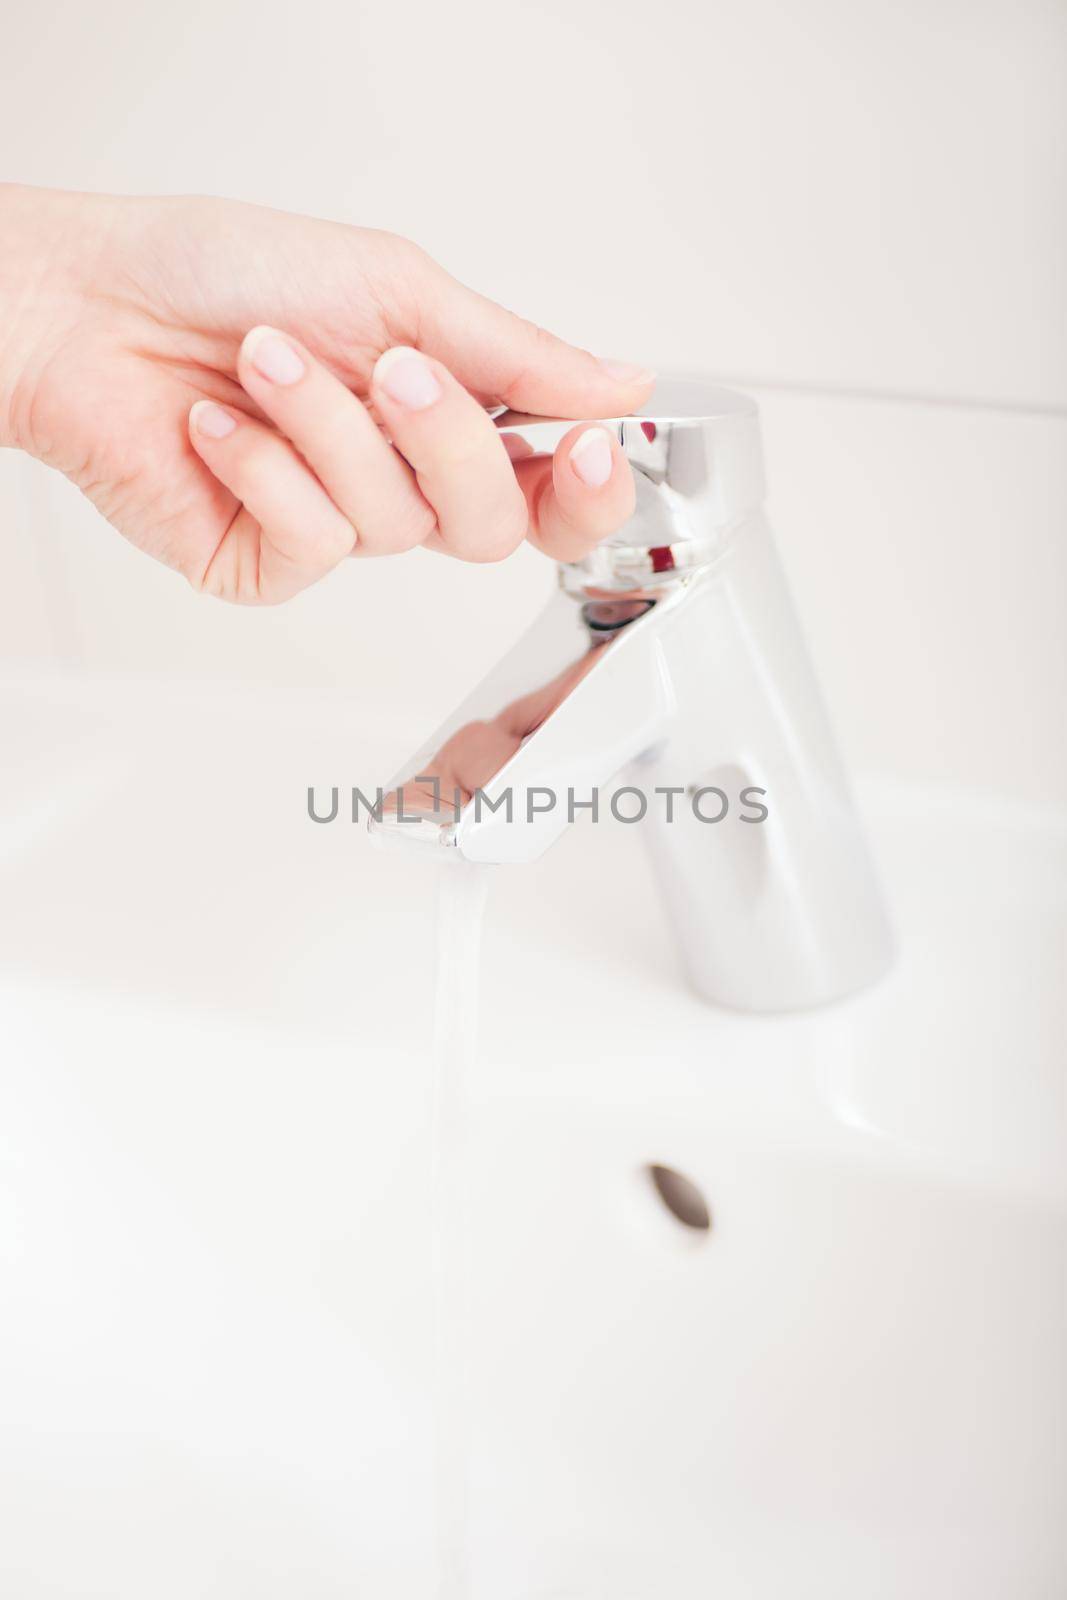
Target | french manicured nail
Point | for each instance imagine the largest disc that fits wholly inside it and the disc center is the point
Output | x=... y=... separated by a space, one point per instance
x=591 y=457
x=273 y=356
x=407 y=377
x=211 y=420
x=626 y=372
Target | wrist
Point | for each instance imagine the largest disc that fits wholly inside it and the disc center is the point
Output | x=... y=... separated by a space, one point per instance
x=43 y=289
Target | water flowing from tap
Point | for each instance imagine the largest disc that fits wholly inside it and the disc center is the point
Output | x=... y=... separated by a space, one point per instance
x=461 y=906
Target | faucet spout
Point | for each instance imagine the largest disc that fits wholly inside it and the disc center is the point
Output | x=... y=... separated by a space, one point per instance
x=584 y=693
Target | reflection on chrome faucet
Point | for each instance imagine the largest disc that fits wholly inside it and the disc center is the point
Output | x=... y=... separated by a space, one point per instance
x=476 y=752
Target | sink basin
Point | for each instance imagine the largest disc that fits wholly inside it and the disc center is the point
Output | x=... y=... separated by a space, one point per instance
x=216 y=1312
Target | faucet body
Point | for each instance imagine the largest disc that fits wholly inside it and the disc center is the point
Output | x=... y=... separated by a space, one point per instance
x=671 y=662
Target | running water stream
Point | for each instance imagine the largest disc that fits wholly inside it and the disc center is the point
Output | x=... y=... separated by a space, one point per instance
x=461 y=906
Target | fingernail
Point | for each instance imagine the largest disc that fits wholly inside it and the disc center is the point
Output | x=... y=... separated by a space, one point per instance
x=407 y=377
x=591 y=457
x=626 y=372
x=273 y=356
x=211 y=420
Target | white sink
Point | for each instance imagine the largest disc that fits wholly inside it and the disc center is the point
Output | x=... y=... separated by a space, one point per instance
x=215 y=1304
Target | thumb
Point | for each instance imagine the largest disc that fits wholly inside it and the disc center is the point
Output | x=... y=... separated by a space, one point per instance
x=501 y=357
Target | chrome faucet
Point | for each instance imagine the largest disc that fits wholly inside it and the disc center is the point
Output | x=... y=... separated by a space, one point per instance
x=670 y=659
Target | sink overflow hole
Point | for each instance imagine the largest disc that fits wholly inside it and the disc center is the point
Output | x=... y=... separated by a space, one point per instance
x=682 y=1197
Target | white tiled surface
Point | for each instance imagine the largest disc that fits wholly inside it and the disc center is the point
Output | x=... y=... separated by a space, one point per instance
x=859 y=192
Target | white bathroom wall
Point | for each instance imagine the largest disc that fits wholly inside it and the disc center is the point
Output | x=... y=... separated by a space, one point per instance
x=854 y=209
x=861 y=192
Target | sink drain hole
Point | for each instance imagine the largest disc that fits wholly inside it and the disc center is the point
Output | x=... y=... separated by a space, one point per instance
x=682 y=1198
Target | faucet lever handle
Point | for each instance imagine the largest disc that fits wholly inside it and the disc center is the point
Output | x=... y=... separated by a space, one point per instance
x=698 y=472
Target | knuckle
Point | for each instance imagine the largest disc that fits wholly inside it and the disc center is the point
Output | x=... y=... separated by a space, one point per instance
x=515 y=522
x=417 y=526
x=391 y=529
x=533 y=347
x=503 y=533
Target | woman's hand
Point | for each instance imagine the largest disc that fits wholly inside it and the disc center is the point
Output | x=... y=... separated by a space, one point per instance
x=251 y=396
